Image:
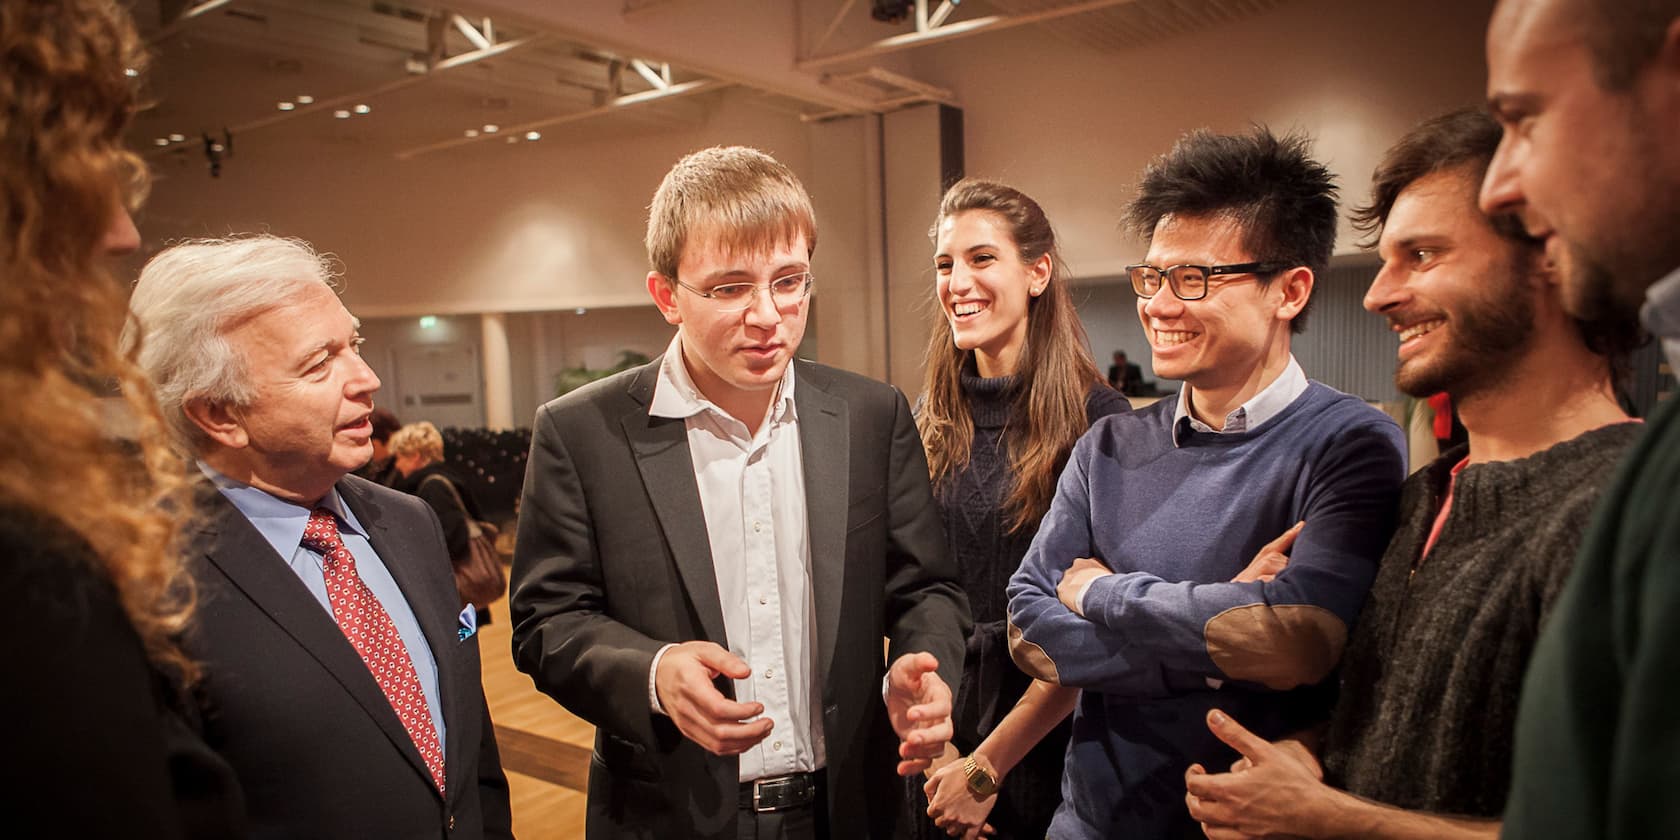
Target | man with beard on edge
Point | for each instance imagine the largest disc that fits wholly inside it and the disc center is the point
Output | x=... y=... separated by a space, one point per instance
x=1589 y=94
x=1488 y=531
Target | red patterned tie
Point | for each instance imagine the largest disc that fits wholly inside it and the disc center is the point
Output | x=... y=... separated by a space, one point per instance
x=370 y=630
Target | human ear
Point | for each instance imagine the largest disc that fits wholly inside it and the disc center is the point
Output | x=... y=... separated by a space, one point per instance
x=219 y=421
x=664 y=294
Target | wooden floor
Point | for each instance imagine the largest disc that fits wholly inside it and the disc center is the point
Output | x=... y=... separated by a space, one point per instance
x=545 y=750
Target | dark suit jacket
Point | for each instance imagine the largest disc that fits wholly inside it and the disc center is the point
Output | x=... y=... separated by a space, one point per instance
x=613 y=562
x=289 y=703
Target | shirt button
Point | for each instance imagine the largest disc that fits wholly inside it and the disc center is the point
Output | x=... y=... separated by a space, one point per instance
x=758 y=527
x=769 y=673
x=763 y=600
x=776 y=746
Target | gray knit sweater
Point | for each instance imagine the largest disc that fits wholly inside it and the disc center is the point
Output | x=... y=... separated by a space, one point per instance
x=1431 y=677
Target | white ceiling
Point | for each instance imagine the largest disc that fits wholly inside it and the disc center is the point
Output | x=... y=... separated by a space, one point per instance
x=560 y=67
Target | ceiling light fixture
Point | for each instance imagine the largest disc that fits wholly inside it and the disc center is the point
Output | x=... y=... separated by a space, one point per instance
x=177 y=138
x=362 y=109
x=306 y=99
x=472 y=132
x=162 y=141
x=491 y=128
x=131 y=72
x=342 y=114
x=285 y=106
x=533 y=135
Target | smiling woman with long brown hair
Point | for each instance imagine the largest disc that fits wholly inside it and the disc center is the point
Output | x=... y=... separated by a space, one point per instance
x=95 y=693
x=1010 y=386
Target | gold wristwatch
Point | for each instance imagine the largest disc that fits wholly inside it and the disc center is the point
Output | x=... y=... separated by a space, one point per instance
x=980 y=781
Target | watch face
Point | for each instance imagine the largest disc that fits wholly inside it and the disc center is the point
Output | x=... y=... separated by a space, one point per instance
x=980 y=782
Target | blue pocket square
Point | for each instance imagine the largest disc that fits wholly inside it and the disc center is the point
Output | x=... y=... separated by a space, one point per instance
x=469 y=623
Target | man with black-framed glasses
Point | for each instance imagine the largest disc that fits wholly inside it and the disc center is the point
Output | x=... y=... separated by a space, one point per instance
x=1212 y=550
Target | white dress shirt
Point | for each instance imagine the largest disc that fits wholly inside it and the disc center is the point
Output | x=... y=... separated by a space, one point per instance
x=752 y=491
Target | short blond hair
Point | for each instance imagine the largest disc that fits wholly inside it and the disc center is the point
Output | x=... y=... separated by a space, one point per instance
x=420 y=438
x=745 y=197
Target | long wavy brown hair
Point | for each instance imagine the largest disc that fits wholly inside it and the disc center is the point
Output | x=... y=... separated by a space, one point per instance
x=1054 y=372
x=67 y=92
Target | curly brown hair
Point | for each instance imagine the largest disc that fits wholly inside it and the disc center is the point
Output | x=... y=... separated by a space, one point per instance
x=68 y=72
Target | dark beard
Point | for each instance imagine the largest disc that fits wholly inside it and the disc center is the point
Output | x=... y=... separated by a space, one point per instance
x=1594 y=292
x=1486 y=339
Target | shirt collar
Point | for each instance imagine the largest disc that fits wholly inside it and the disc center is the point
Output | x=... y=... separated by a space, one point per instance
x=676 y=396
x=1661 y=315
x=280 y=522
x=1268 y=403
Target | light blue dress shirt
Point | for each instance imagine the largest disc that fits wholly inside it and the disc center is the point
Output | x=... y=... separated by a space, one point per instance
x=281 y=523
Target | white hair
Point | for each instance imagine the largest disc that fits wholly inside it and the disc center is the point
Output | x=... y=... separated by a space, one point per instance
x=190 y=294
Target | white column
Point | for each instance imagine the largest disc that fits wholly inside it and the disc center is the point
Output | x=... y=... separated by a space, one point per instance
x=498 y=373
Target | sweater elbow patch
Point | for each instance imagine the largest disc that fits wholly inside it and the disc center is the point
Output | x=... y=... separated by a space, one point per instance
x=1278 y=647
x=1031 y=658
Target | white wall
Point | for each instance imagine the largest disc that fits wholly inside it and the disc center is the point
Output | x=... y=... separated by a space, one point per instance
x=1073 y=127
x=549 y=226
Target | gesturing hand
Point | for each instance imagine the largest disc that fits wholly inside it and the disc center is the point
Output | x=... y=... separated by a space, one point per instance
x=1083 y=571
x=1273 y=557
x=1272 y=790
x=919 y=706
x=953 y=806
x=701 y=712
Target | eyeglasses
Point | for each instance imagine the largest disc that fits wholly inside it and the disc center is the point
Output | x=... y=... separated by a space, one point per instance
x=1190 y=282
x=786 y=292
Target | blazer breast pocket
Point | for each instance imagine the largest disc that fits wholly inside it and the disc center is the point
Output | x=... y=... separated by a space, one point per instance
x=865 y=509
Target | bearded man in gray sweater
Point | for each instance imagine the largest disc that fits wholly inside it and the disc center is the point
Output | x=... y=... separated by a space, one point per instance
x=1419 y=744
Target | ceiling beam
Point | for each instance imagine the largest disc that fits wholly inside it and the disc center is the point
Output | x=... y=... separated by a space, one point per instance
x=952 y=31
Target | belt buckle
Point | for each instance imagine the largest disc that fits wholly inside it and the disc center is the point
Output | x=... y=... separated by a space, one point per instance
x=777 y=793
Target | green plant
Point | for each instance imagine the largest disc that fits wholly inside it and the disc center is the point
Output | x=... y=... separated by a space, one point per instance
x=571 y=379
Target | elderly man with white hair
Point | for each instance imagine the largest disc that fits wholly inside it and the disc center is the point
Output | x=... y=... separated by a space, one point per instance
x=341 y=676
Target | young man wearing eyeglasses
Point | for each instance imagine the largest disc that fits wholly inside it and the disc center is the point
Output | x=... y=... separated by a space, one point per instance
x=1159 y=582
x=712 y=546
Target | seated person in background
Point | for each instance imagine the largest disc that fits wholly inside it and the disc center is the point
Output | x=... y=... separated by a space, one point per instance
x=1124 y=376
x=1127 y=592
x=417 y=458
x=341 y=678
x=1423 y=725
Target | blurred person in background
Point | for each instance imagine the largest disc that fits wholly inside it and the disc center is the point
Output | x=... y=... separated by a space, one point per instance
x=417 y=461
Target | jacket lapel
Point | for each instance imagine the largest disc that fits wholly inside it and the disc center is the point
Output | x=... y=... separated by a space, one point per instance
x=395 y=548
x=235 y=547
x=825 y=448
x=660 y=447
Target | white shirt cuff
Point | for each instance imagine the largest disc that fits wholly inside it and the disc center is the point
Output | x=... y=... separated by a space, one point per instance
x=653 y=670
x=1083 y=591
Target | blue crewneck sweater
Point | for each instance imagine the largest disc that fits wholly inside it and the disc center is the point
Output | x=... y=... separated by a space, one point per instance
x=1168 y=636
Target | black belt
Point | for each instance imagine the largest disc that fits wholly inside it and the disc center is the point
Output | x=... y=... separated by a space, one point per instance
x=779 y=793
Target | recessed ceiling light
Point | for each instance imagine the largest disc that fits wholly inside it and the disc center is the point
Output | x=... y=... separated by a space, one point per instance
x=177 y=138
x=162 y=141
x=512 y=139
x=491 y=128
x=472 y=132
x=533 y=135
x=306 y=99
x=131 y=72
x=342 y=114
x=581 y=311
x=285 y=106
x=362 y=109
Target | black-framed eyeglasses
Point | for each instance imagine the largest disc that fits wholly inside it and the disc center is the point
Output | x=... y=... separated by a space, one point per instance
x=786 y=292
x=1190 y=282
